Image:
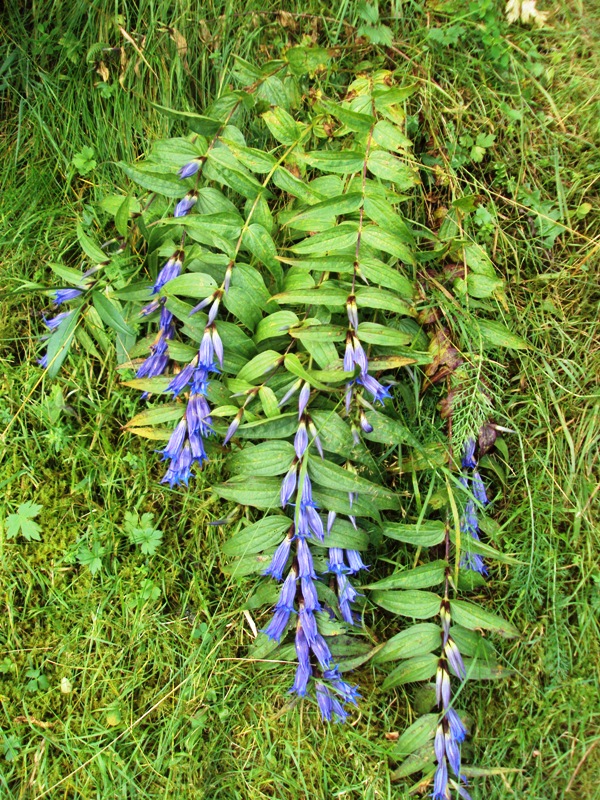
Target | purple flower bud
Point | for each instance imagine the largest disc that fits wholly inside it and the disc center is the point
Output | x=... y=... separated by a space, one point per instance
x=212 y=313
x=202 y=304
x=301 y=440
x=228 y=274
x=207 y=350
x=452 y=753
x=309 y=594
x=303 y=674
x=288 y=486
x=182 y=379
x=440 y=782
x=185 y=205
x=442 y=686
x=288 y=592
x=321 y=651
x=279 y=560
x=352 y=311
x=189 y=169
x=468 y=459
x=302 y=647
x=331 y=515
x=303 y=399
x=324 y=702
x=355 y=561
x=292 y=390
x=64 y=295
x=150 y=308
x=349 y=355
x=439 y=744
x=277 y=626
x=315 y=522
x=305 y=561
x=309 y=624
x=479 y=489
x=170 y=270
x=454 y=657
x=457 y=729
x=176 y=440
x=317 y=441
x=360 y=357
x=235 y=424
x=364 y=423
x=217 y=344
x=53 y=323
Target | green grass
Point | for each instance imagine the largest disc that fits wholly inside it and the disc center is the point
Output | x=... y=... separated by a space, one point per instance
x=164 y=700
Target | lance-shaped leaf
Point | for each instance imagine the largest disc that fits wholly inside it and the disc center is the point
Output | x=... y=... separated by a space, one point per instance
x=316 y=217
x=410 y=603
x=277 y=428
x=258 y=241
x=335 y=263
x=336 y=436
x=388 y=242
x=389 y=431
x=426 y=534
x=496 y=334
x=110 y=314
x=353 y=120
x=205 y=126
x=191 y=284
x=89 y=247
x=422 y=760
x=162 y=183
x=419 y=639
x=332 y=476
x=481 y=671
x=259 y=492
x=247 y=565
x=154 y=416
x=59 y=343
x=284 y=180
x=340 y=237
x=422 y=577
x=411 y=670
x=373 y=333
x=265 y=534
x=472 y=616
x=339 y=162
x=382 y=212
x=283 y=127
x=416 y=736
x=390 y=168
x=293 y=365
x=343 y=534
x=390 y=137
x=326 y=295
x=264 y=460
x=275 y=325
x=226 y=169
x=250 y=157
x=482 y=549
x=259 y=366
x=337 y=501
x=382 y=274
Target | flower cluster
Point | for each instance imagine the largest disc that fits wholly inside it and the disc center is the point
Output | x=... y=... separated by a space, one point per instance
x=356 y=357
x=472 y=481
x=450 y=732
x=299 y=590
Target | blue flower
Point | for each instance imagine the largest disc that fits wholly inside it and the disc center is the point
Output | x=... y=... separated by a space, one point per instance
x=53 y=323
x=288 y=485
x=329 y=705
x=64 y=295
x=185 y=205
x=170 y=270
x=303 y=399
x=301 y=440
x=279 y=560
x=379 y=392
x=278 y=624
x=468 y=459
x=179 y=470
x=189 y=169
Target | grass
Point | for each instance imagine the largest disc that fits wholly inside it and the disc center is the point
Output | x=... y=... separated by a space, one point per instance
x=163 y=699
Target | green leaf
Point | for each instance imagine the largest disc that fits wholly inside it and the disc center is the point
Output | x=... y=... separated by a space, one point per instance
x=191 y=284
x=419 y=639
x=265 y=460
x=90 y=248
x=92 y=557
x=389 y=431
x=339 y=237
x=410 y=603
x=251 y=158
x=142 y=533
x=376 y=271
x=221 y=168
x=482 y=287
x=24 y=522
x=422 y=577
x=259 y=366
x=344 y=535
x=280 y=427
x=497 y=334
x=330 y=475
x=284 y=180
x=354 y=121
x=166 y=184
x=336 y=436
x=411 y=670
x=473 y=617
x=310 y=219
x=59 y=343
x=416 y=736
x=427 y=534
x=293 y=365
x=260 y=492
x=110 y=314
x=307 y=60
x=373 y=333
x=476 y=546
x=388 y=242
x=165 y=412
x=339 y=162
x=275 y=325
x=258 y=241
x=122 y=217
x=386 y=166
x=262 y=535
x=283 y=127
x=389 y=136
x=477 y=670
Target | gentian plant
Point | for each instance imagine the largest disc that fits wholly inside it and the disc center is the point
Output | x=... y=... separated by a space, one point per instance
x=270 y=296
